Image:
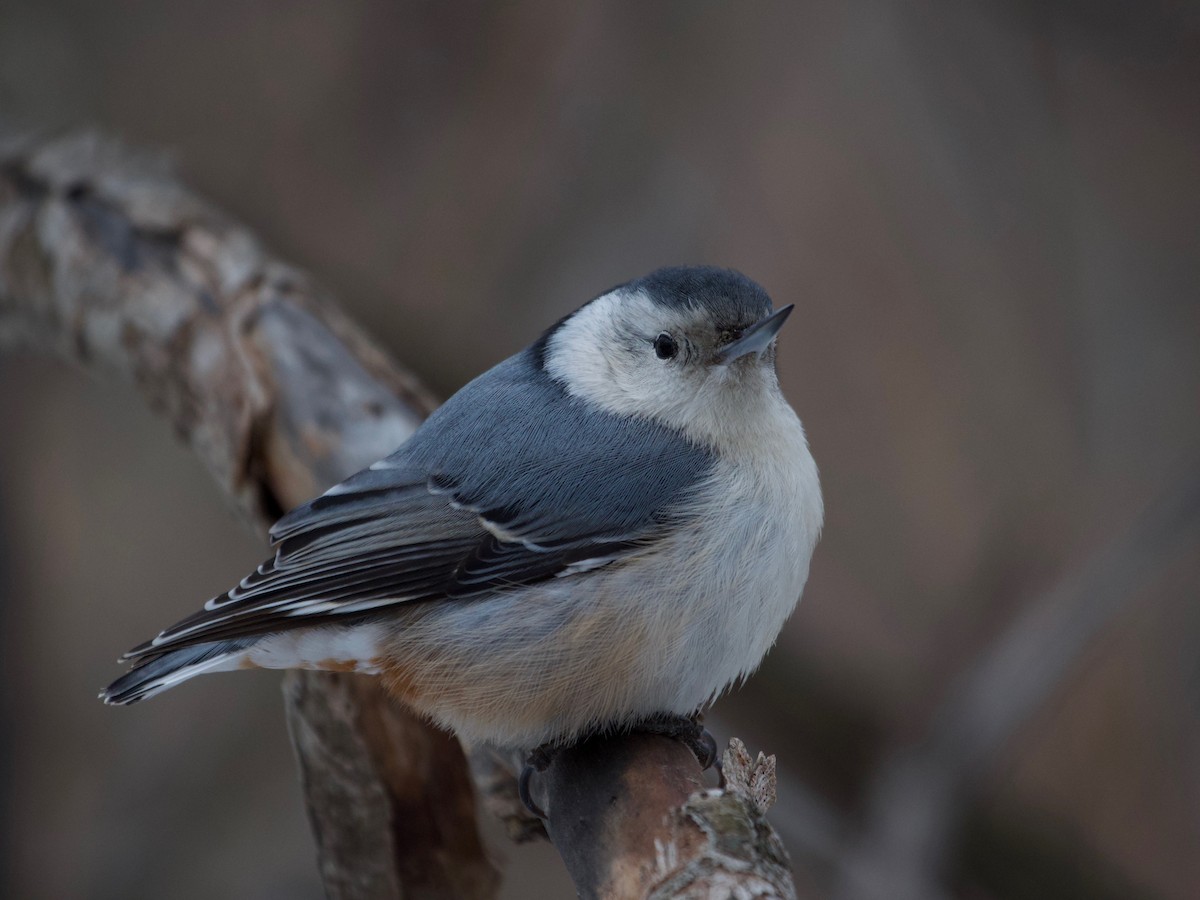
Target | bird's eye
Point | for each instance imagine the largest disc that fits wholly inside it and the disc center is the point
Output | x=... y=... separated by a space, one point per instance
x=665 y=346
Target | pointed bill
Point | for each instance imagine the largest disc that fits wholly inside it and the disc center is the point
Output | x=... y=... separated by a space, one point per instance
x=757 y=337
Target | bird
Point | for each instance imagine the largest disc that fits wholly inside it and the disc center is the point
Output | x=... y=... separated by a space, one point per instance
x=608 y=528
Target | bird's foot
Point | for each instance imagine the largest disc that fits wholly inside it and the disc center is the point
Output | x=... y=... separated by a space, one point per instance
x=688 y=730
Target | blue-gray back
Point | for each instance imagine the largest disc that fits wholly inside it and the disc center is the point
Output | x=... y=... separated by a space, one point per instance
x=514 y=446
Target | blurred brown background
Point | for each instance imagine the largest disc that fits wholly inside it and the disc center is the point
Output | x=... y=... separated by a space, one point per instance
x=988 y=214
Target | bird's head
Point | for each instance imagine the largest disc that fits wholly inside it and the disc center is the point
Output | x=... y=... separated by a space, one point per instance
x=689 y=347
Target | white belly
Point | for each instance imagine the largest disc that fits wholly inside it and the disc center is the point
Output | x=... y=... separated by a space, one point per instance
x=740 y=573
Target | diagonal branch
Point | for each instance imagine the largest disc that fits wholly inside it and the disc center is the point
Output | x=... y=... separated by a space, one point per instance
x=106 y=259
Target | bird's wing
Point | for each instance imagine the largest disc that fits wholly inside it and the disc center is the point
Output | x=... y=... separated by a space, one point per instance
x=511 y=482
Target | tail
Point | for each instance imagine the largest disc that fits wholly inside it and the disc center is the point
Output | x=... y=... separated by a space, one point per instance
x=157 y=673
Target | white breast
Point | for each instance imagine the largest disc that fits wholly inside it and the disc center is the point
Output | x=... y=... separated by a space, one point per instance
x=742 y=567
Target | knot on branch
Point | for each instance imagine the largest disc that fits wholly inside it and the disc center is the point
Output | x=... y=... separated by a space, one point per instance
x=722 y=844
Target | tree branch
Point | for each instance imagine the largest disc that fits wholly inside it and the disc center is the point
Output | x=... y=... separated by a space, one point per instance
x=108 y=260
x=605 y=800
x=105 y=258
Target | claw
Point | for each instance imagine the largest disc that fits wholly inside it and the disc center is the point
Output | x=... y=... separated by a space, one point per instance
x=525 y=795
x=538 y=761
x=708 y=745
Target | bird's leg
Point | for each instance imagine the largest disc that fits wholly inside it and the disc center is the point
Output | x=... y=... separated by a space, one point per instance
x=688 y=730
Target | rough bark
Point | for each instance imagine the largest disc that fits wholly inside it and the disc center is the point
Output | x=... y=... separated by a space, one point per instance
x=355 y=748
x=605 y=800
x=107 y=259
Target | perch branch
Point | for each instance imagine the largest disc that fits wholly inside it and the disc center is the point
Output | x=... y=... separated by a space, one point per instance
x=605 y=800
x=107 y=259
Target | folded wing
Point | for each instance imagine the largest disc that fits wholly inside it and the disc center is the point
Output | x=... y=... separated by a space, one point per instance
x=483 y=499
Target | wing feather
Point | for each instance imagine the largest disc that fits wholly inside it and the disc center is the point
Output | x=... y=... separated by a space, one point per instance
x=482 y=499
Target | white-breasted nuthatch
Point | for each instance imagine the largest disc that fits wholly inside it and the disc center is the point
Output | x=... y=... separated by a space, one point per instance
x=611 y=525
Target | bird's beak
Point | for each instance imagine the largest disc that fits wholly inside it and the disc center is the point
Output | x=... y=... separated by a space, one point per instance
x=756 y=338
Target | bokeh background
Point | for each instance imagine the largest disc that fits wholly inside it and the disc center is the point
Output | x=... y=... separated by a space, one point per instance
x=988 y=215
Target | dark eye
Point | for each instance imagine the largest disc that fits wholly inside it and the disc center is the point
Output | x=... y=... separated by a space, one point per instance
x=665 y=346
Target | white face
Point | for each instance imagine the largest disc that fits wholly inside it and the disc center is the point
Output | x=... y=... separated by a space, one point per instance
x=633 y=356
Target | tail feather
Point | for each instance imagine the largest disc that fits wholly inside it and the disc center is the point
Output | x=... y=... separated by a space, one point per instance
x=157 y=673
